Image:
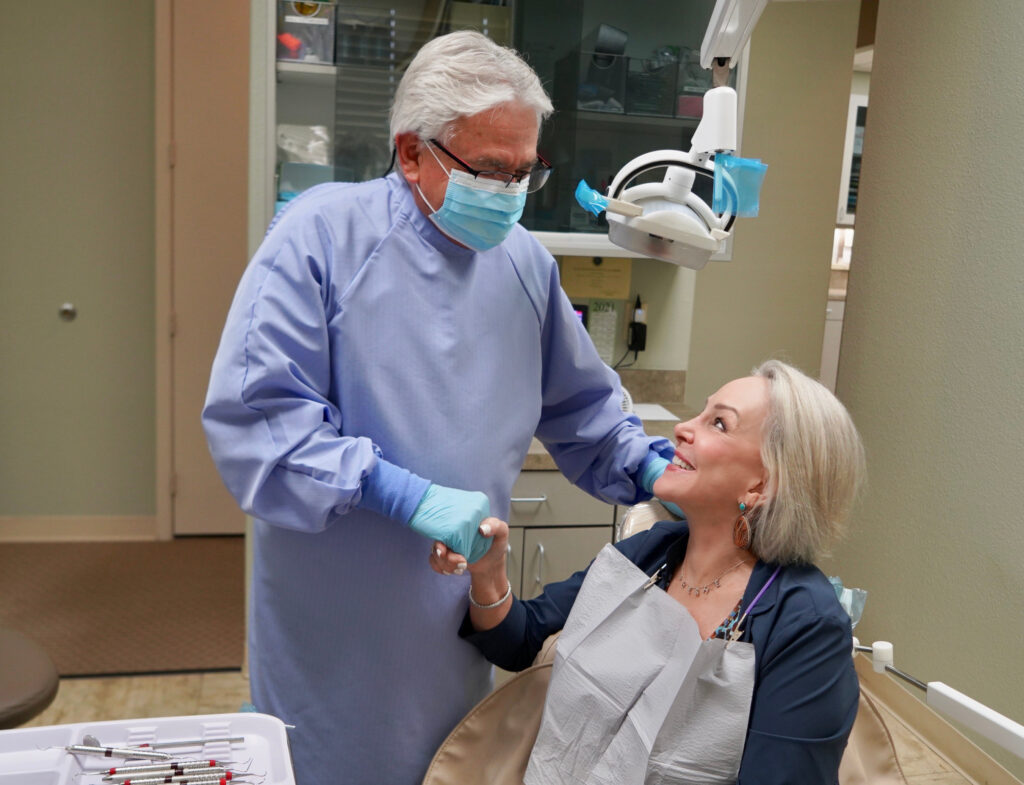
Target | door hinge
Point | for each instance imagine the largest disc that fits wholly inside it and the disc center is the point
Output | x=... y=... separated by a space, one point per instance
x=172 y=155
x=174 y=484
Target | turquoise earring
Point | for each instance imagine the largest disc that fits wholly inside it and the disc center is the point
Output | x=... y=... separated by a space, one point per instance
x=743 y=507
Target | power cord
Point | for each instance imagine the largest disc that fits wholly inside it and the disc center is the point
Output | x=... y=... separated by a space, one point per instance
x=627 y=365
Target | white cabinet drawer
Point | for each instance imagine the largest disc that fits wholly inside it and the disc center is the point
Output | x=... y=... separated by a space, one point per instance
x=545 y=498
x=555 y=554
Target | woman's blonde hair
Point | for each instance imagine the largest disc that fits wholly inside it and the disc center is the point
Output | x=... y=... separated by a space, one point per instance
x=814 y=463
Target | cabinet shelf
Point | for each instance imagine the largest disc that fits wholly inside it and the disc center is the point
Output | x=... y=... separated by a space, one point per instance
x=632 y=120
x=306 y=73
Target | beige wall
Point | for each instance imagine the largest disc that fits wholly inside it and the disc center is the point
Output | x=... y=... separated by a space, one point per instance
x=932 y=363
x=770 y=300
x=76 y=218
x=667 y=293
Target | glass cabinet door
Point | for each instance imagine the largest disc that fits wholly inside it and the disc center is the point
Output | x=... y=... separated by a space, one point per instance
x=625 y=79
x=375 y=43
x=338 y=64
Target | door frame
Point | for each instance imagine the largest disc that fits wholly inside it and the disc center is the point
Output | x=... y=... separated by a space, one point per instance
x=262 y=112
x=163 y=161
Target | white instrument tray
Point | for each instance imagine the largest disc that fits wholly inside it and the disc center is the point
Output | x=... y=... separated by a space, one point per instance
x=36 y=756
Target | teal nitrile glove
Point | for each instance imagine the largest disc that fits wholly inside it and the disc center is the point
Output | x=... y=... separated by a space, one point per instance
x=652 y=471
x=454 y=517
x=655 y=467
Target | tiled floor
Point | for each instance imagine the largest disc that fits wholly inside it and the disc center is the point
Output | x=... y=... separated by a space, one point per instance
x=129 y=697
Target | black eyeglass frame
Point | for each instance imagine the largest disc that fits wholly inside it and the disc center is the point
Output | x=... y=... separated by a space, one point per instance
x=542 y=168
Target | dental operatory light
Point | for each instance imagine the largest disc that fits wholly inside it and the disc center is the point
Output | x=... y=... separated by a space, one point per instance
x=667 y=220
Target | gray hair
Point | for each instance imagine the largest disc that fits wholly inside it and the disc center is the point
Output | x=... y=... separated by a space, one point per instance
x=458 y=75
x=814 y=461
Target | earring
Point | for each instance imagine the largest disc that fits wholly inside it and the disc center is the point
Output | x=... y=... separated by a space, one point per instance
x=743 y=507
x=741 y=532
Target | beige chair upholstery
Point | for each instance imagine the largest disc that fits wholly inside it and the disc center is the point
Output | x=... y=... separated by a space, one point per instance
x=641 y=517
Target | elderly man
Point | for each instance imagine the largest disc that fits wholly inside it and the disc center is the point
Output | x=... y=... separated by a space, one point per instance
x=392 y=348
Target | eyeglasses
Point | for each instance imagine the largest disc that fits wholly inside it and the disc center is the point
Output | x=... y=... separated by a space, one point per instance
x=538 y=173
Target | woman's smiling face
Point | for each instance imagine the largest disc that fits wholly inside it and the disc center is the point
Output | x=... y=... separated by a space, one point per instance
x=718 y=453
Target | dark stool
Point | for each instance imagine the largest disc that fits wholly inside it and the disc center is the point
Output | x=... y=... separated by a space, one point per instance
x=28 y=679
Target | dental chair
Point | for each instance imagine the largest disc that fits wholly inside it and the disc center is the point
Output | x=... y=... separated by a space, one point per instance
x=492 y=744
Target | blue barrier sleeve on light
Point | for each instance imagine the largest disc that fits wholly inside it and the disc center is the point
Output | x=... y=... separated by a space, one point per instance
x=589 y=199
x=737 y=185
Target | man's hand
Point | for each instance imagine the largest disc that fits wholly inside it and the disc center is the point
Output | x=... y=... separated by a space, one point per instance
x=453 y=517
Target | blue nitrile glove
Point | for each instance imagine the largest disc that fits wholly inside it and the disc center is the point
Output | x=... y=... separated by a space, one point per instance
x=454 y=517
x=446 y=514
x=655 y=467
x=651 y=472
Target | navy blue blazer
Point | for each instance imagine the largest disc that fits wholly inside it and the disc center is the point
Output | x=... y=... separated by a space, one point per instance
x=805 y=689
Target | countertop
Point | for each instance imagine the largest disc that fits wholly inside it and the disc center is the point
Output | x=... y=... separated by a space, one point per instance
x=539 y=459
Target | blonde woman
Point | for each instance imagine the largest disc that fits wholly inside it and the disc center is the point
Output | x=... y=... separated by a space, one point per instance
x=708 y=649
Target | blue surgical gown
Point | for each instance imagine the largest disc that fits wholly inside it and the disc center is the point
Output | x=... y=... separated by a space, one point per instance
x=359 y=330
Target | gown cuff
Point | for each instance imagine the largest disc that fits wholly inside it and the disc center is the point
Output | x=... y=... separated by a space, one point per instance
x=392 y=491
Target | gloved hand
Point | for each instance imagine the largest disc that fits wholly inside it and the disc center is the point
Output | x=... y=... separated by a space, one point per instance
x=652 y=471
x=453 y=517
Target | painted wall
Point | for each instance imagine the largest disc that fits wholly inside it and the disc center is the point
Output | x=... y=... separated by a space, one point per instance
x=769 y=301
x=932 y=360
x=76 y=218
x=667 y=292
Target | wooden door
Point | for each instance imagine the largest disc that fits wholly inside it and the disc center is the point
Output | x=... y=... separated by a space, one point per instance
x=208 y=162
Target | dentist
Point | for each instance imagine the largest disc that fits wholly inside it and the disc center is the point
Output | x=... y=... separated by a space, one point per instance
x=391 y=350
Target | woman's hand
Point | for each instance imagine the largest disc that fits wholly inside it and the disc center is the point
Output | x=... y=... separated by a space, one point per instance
x=447 y=562
x=490 y=587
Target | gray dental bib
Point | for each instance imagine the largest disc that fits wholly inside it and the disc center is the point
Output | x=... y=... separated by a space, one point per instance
x=636 y=697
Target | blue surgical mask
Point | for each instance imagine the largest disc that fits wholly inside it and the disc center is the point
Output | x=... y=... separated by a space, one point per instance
x=478 y=213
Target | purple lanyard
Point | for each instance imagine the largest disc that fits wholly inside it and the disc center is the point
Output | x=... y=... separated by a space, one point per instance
x=763 y=589
x=736 y=631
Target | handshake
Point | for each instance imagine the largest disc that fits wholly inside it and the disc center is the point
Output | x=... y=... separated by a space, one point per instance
x=454 y=519
x=494 y=532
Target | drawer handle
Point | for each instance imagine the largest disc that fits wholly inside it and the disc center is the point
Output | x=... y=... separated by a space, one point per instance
x=538 y=580
x=530 y=499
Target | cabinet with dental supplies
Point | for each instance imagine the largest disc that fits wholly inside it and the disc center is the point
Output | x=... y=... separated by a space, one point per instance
x=331 y=70
x=624 y=79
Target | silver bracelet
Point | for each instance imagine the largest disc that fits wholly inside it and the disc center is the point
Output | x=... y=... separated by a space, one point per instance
x=476 y=604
